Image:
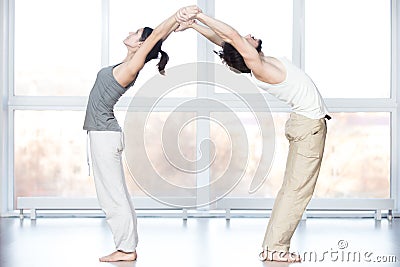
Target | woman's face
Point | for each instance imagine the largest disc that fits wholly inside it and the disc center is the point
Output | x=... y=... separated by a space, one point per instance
x=132 y=41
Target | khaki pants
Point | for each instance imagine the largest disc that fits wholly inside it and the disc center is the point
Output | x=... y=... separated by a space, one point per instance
x=106 y=148
x=306 y=147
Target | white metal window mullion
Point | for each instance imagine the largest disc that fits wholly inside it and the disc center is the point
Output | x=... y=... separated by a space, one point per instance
x=10 y=111
x=4 y=74
x=203 y=126
x=10 y=161
x=395 y=95
x=298 y=34
x=105 y=32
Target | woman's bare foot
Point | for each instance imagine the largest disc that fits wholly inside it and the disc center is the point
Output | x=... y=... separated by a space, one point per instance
x=119 y=256
x=279 y=256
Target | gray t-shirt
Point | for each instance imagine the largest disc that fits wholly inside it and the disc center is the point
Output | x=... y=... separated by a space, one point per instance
x=105 y=93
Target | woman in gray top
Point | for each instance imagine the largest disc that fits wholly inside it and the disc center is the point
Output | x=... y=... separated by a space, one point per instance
x=106 y=137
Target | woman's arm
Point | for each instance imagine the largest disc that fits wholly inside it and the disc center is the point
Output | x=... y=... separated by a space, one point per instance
x=126 y=73
x=136 y=63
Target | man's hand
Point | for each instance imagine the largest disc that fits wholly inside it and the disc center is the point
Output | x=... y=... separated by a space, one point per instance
x=186 y=14
x=185 y=25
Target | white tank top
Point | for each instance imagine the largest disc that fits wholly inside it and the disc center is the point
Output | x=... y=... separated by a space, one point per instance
x=298 y=91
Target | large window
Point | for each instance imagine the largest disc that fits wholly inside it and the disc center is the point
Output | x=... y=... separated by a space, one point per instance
x=59 y=46
x=349 y=57
x=50 y=154
x=356 y=163
x=261 y=19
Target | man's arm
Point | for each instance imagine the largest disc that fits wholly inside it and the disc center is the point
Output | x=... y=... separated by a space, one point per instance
x=262 y=70
x=231 y=36
x=205 y=31
x=208 y=33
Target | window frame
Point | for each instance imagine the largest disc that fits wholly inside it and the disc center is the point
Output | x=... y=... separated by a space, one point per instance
x=10 y=102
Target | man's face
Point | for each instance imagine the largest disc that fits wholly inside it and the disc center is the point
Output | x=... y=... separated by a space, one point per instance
x=253 y=41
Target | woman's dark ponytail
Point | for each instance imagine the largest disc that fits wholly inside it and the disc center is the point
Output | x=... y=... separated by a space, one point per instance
x=163 y=61
x=153 y=54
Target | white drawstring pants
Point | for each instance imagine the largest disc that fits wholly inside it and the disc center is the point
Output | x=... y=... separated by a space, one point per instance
x=106 y=152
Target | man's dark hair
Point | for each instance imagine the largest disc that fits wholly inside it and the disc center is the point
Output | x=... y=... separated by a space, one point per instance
x=153 y=54
x=233 y=58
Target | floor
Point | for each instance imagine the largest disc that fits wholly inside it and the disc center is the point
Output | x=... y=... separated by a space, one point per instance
x=207 y=242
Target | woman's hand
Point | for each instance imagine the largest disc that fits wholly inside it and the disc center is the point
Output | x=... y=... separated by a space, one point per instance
x=187 y=13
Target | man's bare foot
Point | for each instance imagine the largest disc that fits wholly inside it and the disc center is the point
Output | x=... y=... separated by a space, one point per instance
x=119 y=256
x=279 y=256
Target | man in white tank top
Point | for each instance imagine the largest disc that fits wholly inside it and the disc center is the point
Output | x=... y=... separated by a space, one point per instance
x=305 y=129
